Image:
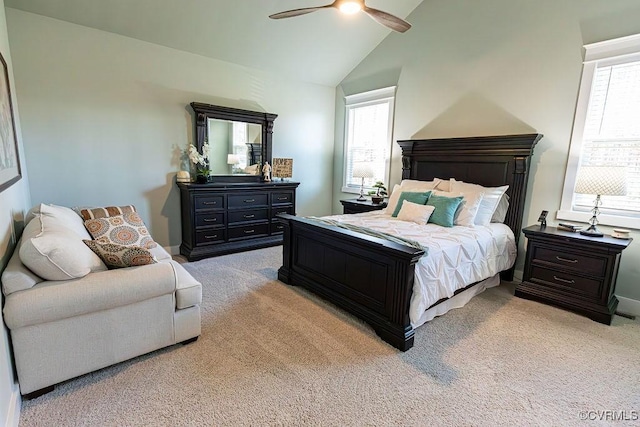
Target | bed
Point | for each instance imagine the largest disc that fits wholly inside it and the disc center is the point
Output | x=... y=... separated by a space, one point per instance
x=373 y=278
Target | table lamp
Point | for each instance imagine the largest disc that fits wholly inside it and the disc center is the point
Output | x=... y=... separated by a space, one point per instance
x=362 y=170
x=600 y=181
x=233 y=160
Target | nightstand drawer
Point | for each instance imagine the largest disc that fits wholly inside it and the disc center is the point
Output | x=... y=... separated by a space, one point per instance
x=570 y=260
x=569 y=283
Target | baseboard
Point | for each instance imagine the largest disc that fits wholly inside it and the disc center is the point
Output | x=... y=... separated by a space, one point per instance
x=13 y=411
x=517 y=275
x=628 y=306
x=173 y=250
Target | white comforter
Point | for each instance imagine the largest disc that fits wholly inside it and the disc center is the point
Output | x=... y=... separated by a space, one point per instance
x=456 y=256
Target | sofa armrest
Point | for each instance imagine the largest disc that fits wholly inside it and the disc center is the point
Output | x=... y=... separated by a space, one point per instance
x=188 y=289
x=54 y=300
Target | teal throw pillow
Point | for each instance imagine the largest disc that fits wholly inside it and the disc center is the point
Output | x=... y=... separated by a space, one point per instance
x=419 y=198
x=445 y=209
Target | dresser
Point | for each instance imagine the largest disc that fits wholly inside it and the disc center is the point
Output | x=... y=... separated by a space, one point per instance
x=572 y=271
x=351 y=206
x=224 y=218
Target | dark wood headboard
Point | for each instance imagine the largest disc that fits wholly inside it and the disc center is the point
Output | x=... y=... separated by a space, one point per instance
x=490 y=161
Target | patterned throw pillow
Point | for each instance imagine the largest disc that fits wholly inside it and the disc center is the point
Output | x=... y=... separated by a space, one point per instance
x=126 y=230
x=91 y=213
x=118 y=256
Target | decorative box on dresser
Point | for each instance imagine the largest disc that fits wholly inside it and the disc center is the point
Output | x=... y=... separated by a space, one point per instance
x=221 y=218
x=572 y=271
x=352 y=206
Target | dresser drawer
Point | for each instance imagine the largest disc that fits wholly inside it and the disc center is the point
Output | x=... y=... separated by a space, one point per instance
x=248 y=200
x=569 y=283
x=248 y=215
x=205 y=237
x=209 y=202
x=283 y=197
x=248 y=231
x=209 y=219
x=284 y=209
x=570 y=260
x=277 y=227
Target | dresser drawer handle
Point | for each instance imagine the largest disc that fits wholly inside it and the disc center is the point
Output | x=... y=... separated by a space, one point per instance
x=210 y=219
x=249 y=231
x=249 y=216
x=211 y=237
x=573 y=261
x=283 y=198
x=571 y=282
x=280 y=227
x=209 y=203
x=249 y=200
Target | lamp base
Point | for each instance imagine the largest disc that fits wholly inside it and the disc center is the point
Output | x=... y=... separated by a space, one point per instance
x=592 y=231
x=361 y=199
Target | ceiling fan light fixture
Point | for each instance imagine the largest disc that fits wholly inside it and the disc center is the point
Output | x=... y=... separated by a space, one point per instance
x=350 y=7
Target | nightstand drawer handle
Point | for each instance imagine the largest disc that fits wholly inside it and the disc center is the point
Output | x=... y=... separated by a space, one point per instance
x=571 y=282
x=209 y=203
x=573 y=261
x=210 y=219
x=211 y=237
x=249 y=231
x=249 y=216
x=249 y=200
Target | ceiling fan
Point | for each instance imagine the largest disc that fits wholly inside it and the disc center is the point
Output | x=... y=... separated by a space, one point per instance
x=351 y=7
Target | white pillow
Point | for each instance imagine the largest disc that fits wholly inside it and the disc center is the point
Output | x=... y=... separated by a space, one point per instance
x=489 y=202
x=415 y=212
x=501 y=211
x=468 y=209
x=415 y=185
x=393 y=199
x=55 y=252
x=62 y=216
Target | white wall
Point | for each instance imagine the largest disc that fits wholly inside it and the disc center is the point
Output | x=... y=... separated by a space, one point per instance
x=14 y=202
x=104 y=116
x=493 y=67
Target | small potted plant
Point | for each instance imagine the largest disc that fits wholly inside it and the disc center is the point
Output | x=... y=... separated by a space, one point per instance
x=378 y=195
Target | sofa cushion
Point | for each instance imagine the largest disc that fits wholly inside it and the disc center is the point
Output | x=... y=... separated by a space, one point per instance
x=50 y=301
x=125 y=229
x=188 y=289
x=16 y=277
x=119 y=256
x=55 y=252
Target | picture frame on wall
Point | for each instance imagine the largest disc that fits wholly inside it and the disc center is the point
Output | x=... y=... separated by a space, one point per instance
x=9 y=160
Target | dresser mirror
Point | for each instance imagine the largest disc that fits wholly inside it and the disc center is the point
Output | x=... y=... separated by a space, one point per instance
x=239 y=141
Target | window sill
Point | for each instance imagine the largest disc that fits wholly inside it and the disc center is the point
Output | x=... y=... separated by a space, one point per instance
x=603 y=219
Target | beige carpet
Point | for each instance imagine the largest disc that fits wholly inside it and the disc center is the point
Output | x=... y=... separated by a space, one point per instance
x=270 y=354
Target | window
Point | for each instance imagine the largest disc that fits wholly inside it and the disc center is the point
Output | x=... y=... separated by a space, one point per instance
x=606 y=130
x=368 y=132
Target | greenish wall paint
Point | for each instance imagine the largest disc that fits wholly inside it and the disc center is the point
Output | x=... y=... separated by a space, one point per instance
x=494 y=67
x=105 y=118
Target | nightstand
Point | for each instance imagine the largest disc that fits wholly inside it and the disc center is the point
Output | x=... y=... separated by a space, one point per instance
x=572 y=271
x=352 y=206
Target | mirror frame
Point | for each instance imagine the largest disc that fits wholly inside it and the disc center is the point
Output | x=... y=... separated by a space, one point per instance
x=204 y=112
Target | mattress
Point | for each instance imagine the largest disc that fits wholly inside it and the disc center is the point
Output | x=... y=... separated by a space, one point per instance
x=456 y=256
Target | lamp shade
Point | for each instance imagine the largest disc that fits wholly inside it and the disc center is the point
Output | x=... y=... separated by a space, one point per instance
x=233 y=159
x=362 y=170
x=601 y=180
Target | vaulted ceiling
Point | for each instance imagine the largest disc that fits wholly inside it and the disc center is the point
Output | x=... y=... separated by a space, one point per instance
x=321 y=47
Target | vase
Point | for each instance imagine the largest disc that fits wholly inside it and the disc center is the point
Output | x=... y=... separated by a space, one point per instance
x=202 y=179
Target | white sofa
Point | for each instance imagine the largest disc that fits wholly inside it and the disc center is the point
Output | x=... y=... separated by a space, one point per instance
x=61 y=329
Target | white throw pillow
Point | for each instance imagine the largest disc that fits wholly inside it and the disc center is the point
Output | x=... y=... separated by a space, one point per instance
x=63 y=216
x=489 y=202
x=468 y=209
x=393 y=199
x=501 y=211
x=55 y=252
x=415 y=212
x=415 y=185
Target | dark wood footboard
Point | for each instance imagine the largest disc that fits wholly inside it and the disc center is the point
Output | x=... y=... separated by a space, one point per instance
x=369 y=277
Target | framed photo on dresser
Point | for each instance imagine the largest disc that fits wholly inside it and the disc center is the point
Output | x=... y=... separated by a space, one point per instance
x=9 y=161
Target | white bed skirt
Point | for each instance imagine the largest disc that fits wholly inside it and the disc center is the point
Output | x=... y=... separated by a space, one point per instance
x=457 y=301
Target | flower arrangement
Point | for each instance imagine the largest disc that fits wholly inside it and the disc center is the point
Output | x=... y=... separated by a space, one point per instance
x=201 y=161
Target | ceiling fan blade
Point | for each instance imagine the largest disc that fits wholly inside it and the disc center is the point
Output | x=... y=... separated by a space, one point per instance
x=388 y=20
x=297 y=12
